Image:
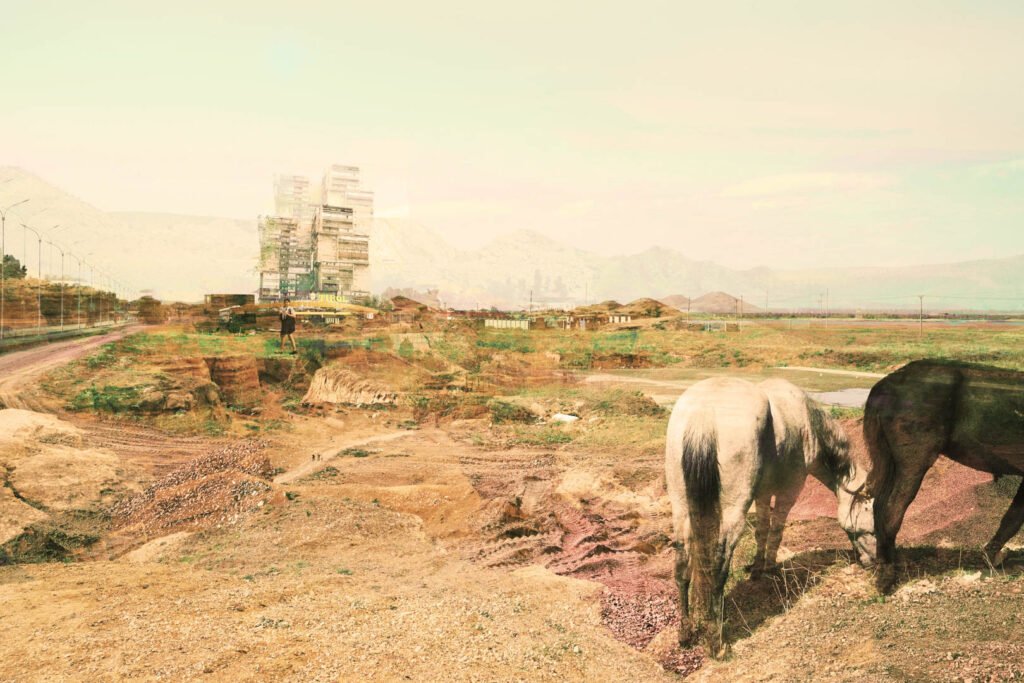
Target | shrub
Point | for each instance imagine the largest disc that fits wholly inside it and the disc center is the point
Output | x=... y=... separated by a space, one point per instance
x=503 y=412
x=625 y=402
x=109 y=398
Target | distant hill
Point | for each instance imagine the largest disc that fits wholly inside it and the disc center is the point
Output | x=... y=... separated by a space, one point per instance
x=647 y=308
x=720 y=302
x=179 y=257
x=675 y=301
x=183 y=257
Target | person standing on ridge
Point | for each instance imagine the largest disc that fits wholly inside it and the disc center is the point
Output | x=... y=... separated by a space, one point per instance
x=287 y=314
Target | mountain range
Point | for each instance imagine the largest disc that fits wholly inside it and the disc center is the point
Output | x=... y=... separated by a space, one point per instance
x=181 y=257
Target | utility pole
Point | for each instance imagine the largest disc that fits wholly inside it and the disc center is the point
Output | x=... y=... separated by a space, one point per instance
x=92 y=286
x=3 y=260
x=920 y=315
x=826 y=307
x=740 y=319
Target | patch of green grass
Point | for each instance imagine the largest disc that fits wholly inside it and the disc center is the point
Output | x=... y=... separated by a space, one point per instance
x=110 y=399
x=213 y=427
x=842 y=413
x=343 y=571
x=541 y=436
x=326 y=473
x=357 y=452
x=58 y=539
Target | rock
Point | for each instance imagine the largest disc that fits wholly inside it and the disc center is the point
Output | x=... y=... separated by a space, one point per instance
x=178 y=401
x=335 y=384
x=237 y=378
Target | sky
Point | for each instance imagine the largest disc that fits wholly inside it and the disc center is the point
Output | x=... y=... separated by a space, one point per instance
x=781 y=134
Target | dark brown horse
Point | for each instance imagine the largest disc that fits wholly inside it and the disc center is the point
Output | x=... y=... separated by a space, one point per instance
x=973 y=414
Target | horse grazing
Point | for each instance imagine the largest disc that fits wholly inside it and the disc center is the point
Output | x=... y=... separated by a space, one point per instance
x=973 y=414
x=731 y=443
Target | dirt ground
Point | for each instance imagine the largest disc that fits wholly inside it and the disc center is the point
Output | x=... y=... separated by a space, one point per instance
x=376 y=549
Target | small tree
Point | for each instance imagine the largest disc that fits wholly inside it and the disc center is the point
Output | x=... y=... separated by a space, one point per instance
x=151 y=311
x=13 y=270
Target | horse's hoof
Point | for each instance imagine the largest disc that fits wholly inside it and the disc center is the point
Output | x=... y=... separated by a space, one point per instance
x=885 y=579
x=994 y=557
x=717 y=650
x=687 y=634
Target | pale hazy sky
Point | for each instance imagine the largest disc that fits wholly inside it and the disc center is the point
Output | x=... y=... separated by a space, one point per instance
x=785 y=134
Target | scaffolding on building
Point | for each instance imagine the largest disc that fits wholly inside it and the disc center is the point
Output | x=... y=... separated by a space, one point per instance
x=317 y=245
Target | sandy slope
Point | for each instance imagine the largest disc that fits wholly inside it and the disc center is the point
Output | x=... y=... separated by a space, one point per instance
x=343 y=582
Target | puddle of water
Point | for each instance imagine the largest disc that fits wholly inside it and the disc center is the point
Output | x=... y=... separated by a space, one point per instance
x=664 y=385
x=844 y=398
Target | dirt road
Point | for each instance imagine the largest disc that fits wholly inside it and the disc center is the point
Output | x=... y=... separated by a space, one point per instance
x=20 y=368
x=309 y=467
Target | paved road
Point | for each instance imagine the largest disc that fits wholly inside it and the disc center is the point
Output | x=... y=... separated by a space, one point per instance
x=18 y=369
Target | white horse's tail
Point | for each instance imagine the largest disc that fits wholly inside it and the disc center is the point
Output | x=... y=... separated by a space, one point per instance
x=703 y=484
x=700 y=466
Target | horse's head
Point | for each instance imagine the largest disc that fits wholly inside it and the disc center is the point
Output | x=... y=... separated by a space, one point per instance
x=857 y=517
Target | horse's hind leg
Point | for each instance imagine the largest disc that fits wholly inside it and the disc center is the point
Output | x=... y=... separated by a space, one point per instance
x=682 y=576
x=1012 y=521
x=763 y=505
x=784 y=502
x=911 y=462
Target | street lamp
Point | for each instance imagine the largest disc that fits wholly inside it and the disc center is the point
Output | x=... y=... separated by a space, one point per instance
x=3 y=259
x=88 y=317
x=39 y=276
x=79 y=281
x=61 y=283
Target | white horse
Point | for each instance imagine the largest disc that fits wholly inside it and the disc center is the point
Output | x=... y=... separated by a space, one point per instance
x=731 y=443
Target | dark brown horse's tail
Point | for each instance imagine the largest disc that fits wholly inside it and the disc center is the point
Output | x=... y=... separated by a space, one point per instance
x=703 y=498
x=880 y=477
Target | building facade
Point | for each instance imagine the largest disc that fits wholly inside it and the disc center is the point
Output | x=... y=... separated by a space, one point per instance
x=318 y=242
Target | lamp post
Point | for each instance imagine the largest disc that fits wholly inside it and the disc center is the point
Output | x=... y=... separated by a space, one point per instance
x=39 y=276
x=103 y=274
x=88 y=309
x=61 y=283
x=79 y=281
x=3 y=259
x=92 y=284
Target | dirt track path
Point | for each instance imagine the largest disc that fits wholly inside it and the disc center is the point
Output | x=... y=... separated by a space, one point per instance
x=20 y=368
x=309 y=467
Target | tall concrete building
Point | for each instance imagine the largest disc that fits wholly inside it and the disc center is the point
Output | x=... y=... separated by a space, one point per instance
x=317 y=243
